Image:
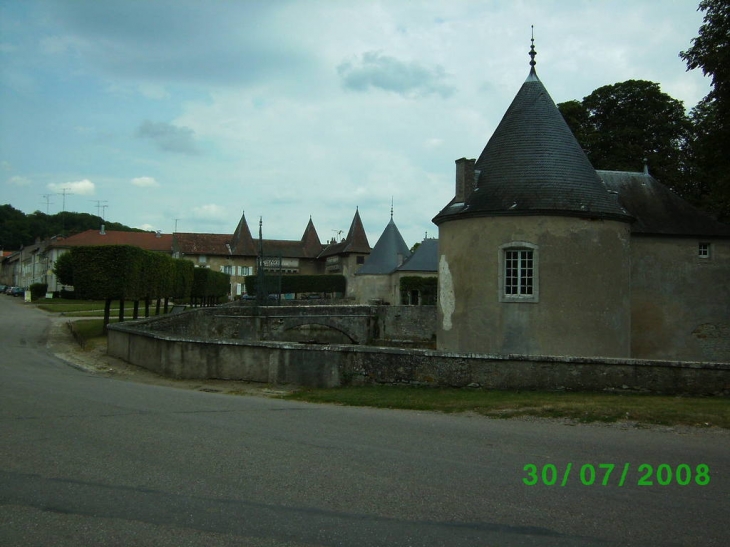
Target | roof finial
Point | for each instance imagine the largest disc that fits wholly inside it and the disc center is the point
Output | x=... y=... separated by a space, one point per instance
x=533 y=53
x=391 y=207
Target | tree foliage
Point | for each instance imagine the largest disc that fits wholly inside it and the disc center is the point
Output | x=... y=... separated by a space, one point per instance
x=621 y=125
x=18 y=229
x=710 y=51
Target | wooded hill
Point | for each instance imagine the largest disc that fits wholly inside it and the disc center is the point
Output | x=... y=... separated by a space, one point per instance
x=18 y=229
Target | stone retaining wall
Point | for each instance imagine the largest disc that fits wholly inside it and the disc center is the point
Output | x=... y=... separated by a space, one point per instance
x=336 y=365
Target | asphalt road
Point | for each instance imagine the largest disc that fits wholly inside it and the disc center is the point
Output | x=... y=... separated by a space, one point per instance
x=90 y=460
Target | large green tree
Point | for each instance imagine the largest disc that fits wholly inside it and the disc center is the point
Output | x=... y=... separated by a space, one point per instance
x=621 y=125
x=710 y=51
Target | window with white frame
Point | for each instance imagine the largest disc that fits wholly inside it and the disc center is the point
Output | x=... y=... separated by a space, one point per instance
x=202 y=259
x=703 y=250
x=518 y=275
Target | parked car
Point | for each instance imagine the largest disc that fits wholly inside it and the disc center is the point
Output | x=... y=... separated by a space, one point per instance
x=3 y=288
x=17 y=291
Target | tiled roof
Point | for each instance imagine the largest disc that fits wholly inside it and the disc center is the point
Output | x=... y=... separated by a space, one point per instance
x=202 y=244
x=533 y=165
x=242 y=242
x=310 y=241
x=424 y=259
x=388 y=253
x=144 y=240
x=657 y=209
x=355 y=242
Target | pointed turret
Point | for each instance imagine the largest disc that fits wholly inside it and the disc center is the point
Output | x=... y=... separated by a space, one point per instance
x=355 y=242
x=242 y=241
x=389 y=252
x=533 y=165
x=310 y=241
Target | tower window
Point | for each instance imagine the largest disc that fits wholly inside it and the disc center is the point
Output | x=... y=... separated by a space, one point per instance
x=518 y=273
x=703 y=250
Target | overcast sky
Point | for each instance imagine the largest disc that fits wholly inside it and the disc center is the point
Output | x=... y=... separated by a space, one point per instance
x=198 y=110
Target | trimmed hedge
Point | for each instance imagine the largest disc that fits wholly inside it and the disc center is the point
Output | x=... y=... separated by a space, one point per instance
x=299 y=283
x=209 y=285
x=38 y=290
x=426 y=286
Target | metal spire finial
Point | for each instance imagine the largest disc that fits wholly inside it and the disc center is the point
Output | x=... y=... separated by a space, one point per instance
x=533 y=53
x=391 y=207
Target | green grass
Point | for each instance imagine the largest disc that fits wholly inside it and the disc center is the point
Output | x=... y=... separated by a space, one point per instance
x=89 y=308
x=583 y=407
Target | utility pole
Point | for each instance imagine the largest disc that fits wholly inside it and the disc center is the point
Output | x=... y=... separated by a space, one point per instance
x=99 y=206
x=47 y=197
x=176 y=224
x=103 y=211
x=64 y=192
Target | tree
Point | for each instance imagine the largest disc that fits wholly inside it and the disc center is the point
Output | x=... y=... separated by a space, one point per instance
x=710 y=51
x=621 y=125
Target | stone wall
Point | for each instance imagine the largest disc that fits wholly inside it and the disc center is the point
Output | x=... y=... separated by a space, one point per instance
x=336 y=365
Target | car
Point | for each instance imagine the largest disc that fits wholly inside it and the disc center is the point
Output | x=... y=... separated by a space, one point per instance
x=17 y=291
x=2 y=288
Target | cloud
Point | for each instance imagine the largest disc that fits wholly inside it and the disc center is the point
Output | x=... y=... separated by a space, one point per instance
x=212 y=43
x=390 y=74
x=146 y=227
x=145 y=182
x=80 y=187
x=19 y=181
x=168 y=137
x=209 y=212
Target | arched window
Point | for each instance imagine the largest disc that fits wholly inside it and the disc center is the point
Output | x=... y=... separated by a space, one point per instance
x=518 y=272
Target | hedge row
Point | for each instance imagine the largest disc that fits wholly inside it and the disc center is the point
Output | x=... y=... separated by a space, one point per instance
x=298 y=284
x=426 y=286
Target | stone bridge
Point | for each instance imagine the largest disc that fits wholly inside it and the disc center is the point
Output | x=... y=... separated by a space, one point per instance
x=319 y=324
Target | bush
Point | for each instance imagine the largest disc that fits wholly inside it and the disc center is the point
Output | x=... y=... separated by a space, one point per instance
x=38 y=290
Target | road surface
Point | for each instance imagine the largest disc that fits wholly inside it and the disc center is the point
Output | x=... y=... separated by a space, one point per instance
x=90 y=460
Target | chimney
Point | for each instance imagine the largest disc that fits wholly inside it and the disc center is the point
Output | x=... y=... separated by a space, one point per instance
x=158 y=233
x=102 y=232
x=465 y=179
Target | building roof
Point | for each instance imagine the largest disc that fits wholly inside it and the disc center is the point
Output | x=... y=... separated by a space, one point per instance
x=150 y=241
x=657 y=209
x=424 y=259
x=242 y=243
x=310 y=241
x=533 y=165
x=202 y=244
x=355 y=242
x=389 y=252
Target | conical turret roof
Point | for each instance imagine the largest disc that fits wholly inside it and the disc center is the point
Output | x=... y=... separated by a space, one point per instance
x=389 y=252
x=310 y=241
x=242 y=242
x=533 y=165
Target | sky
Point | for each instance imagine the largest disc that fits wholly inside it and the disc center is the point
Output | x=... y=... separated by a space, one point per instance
x=183 y=114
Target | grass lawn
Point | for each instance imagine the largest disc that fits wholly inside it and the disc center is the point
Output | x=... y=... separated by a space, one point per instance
x=583 y=407
x=89 y=308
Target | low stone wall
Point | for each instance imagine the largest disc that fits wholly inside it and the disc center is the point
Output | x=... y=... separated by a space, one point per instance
x=336 y=365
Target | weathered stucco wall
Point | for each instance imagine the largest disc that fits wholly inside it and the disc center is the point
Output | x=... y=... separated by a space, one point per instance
x=583 y=307
x=335 y=365
x=680 y=303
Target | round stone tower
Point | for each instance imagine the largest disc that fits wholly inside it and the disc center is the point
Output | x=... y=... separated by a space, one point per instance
x=534 y=252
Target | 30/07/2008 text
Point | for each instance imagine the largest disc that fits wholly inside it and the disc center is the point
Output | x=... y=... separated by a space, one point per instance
x=601 y=475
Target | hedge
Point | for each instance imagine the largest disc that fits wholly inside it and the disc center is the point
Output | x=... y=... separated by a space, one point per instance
x=426 y=286
x=299 y=283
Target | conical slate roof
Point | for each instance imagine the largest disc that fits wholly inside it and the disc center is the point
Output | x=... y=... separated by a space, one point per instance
x=355 y=242
x=389 y=252
x=533 y=165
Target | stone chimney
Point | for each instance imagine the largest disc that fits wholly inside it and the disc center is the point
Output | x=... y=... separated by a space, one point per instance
x=465 y=179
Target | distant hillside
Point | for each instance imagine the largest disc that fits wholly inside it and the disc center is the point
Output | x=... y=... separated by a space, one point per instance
x=18 y=229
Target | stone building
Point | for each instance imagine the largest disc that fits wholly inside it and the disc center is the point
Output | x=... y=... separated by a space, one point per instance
x=540 y=254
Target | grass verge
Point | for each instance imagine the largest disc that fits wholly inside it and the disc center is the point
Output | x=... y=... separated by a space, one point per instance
x=89 y=332
x=579 y=406
x=88 y=308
